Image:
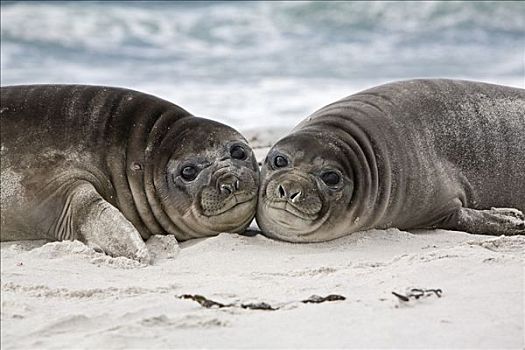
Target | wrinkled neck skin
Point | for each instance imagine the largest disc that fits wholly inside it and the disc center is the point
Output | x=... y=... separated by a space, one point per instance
x=327 y=138
x=132 y=168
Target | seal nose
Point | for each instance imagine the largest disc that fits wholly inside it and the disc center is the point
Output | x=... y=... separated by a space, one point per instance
x=289 y=191
x=229 y=185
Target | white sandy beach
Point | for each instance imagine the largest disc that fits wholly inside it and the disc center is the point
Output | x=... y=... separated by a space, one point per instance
x=65 y=295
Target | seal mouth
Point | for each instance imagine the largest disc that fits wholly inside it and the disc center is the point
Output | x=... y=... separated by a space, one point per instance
x=286 y=206
x=232 y=202
x=285 y=223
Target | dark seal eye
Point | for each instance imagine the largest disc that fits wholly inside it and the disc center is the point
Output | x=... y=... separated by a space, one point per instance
x=280 y=162
x=330 y=178
x=238 y=152
x=188 y=173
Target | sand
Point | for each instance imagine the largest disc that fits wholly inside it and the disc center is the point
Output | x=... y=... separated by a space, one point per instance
x=66 y=295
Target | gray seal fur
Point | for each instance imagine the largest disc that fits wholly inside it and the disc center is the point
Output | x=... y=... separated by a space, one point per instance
x=104 y=165
x=412 y=154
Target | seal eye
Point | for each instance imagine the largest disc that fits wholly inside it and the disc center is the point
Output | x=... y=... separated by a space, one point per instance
x=238 y=152
x=330 y=178
x=280 y=162
x=188 y=173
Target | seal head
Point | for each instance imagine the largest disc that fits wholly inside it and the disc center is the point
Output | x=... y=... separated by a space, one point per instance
x=307 y=187
x=205 y=179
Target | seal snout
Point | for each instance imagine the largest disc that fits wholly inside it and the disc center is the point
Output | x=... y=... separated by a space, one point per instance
x=228 y=184
x=295 y=195
x=229 y=188
x=289 y=191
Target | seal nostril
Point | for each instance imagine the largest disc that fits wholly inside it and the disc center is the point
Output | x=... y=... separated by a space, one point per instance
x=282 y=192
x=226 y=189
x=236 y=185
x=295 y=196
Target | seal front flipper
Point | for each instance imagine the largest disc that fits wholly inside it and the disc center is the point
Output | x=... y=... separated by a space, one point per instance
x=495 y=221
x=101 y=225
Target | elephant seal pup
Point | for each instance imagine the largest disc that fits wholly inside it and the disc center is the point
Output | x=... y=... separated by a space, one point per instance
x=410 y=154
x=112 y=166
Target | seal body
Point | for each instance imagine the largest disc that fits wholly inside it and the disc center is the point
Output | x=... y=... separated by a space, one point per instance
x=411 y=154
x=112 y=167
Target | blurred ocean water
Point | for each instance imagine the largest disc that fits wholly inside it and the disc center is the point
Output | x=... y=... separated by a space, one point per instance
x=259 y=64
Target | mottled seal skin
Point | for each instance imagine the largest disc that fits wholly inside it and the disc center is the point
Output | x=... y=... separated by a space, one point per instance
x=412 y=154
x=112 y=166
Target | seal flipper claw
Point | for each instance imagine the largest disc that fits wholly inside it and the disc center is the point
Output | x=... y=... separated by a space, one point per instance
x=509 y=212
x=495 y=221
x=100 y=224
